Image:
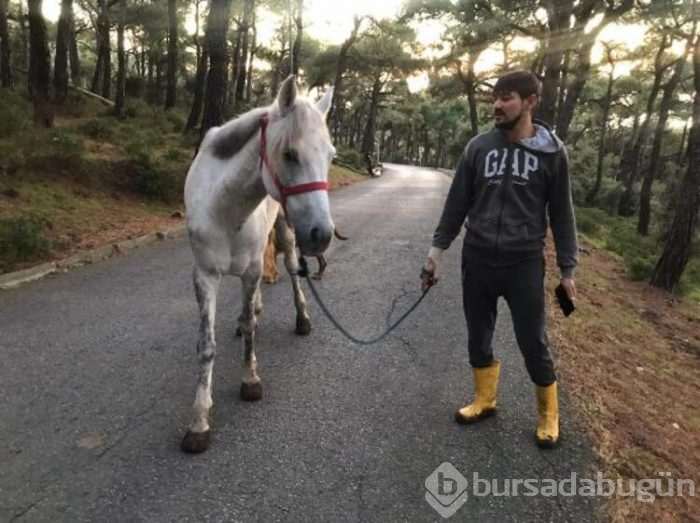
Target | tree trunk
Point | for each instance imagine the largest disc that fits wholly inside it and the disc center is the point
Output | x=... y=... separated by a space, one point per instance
x=242 y=59
x=171 y=89
x=150 y=81
x=217 y=26
x=249 y=75
x=470 y=87
x=335 y=115
x=6 y=76
x=592 y=195
x=680 y=157
x=40 y=66
x=655 y=159
x=296 y=51
x=120 y=97
x=426 y=146
x=102 y=78
x=232 y=74
x=629 y=166
x=559 y=14
x=409 y=144
x=200 y=83
x=573 y=92
x=195 y=37
x=24 y=42
x=60 y=71
x=584 y=42
x=75 y=73
x=674 y=258
x=159 y=77
x=368 y=140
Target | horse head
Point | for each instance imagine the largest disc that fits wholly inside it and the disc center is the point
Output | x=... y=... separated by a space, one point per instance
x=296 y=153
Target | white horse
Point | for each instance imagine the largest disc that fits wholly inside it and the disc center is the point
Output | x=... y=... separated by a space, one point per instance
x=243 y=172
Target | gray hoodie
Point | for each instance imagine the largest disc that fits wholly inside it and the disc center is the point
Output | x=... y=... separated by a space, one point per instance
x=505 y=191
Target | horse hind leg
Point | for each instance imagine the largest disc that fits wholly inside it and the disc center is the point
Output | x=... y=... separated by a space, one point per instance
x=322 y=263
x=288 y=245
x=206 y=288
x=270 y=272
x=251 y=386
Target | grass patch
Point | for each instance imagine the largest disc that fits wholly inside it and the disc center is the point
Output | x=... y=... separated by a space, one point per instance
x=618 y=235
x=340 y=176
x=20 y=240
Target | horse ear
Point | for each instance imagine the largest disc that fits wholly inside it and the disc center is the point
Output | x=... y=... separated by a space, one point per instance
x=324 y=104
x=287 y=95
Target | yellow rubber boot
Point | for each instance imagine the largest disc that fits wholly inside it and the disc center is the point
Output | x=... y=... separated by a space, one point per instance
x=486 y=380
x=547 y=435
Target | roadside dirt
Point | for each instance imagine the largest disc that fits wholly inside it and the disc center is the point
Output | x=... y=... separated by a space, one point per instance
x=630 y=358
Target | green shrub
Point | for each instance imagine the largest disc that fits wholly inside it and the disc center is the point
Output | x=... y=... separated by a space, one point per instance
x=640 y=267
x=153 y=181
x=138 y=109
x=175 y=155
x=20 y=240
x=350 y=158
x=14 y=118
x=96 y=170
x=176 y=121
x=97 y=128
x=135 y=86
x=589 y=220
x=60 y=148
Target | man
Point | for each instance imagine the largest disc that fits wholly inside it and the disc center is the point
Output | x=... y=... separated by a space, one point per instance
x=507 y=181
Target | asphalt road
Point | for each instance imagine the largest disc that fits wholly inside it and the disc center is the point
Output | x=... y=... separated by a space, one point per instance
x=98 y=376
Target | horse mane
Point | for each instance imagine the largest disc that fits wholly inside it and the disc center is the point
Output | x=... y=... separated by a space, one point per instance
x=234 y=135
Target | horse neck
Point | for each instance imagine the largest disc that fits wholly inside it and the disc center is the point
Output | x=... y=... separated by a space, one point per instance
x=242 y=184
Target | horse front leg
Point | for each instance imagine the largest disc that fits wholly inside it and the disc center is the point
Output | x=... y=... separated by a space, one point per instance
x=303 y=326
x=287 y=244
x=206 y=287
x=251 y=387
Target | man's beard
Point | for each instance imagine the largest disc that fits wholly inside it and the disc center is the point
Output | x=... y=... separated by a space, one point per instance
x=509 y=124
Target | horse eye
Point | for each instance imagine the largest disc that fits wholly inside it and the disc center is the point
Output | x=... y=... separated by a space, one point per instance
x=290 y=155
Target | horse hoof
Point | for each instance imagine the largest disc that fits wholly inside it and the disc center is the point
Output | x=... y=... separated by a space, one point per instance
x=303 y=326
x=195 y=442
x=251 y=391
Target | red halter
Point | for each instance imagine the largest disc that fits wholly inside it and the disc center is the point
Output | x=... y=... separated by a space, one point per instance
x=283 y=191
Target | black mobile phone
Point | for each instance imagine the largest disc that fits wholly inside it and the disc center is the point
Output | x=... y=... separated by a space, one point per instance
x=567 y=306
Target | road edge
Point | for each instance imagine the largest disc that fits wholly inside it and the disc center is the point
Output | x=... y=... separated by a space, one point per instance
x=12 y=280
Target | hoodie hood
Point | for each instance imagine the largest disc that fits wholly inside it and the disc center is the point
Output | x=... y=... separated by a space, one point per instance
x=544 y=141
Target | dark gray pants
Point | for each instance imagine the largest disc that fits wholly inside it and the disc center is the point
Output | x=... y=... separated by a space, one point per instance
x=522 y=286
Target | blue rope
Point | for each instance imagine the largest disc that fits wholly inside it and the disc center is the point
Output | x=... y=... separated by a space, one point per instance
x=304 y=273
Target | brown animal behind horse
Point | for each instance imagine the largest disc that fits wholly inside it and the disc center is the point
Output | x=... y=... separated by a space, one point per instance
x=270 y=272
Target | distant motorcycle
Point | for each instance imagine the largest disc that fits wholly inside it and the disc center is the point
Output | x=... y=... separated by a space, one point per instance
x=373 y=169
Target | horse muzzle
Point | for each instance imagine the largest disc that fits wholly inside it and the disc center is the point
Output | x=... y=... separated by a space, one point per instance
x=314 y=240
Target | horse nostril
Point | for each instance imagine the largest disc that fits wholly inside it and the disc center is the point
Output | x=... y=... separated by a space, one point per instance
x=315 y=235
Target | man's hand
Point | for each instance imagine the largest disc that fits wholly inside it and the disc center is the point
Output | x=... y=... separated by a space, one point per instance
x=570 y=288
x=429 y=273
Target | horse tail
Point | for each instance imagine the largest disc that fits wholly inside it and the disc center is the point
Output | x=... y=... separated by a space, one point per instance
x=338 y=235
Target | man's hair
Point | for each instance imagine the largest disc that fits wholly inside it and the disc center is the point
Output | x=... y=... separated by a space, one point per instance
x=524 y=83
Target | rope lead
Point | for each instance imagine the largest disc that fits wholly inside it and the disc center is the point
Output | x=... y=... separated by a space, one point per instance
x=304 y=273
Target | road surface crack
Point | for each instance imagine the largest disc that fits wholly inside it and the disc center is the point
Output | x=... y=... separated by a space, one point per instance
x=394 y=303
x=27 y=509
